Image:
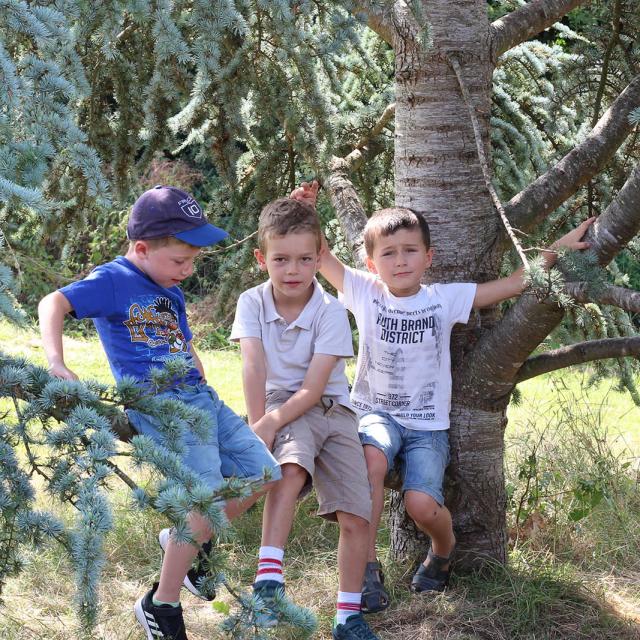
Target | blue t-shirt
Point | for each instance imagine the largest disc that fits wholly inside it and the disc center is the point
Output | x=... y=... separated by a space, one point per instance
x=140 y=323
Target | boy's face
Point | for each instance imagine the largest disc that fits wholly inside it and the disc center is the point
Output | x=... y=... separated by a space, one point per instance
x=292 y=262
x=167 y=266
x=400 y=259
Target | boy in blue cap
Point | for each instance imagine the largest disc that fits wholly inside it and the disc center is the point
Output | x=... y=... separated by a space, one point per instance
x=139 y=312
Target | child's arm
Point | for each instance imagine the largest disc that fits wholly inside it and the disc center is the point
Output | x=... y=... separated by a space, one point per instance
x=197 y=362
x=330 y=266
x=313 y=386
x=490 y=293
x=254 y=377
x=51 y=312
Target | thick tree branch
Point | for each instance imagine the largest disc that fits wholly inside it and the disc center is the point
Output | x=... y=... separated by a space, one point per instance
x=501 y=352
x=349 y=209
x=577 y=354
x=620 y=297
x=620 y=221
x=378 y=20
x=527 y=21
x=532 y=205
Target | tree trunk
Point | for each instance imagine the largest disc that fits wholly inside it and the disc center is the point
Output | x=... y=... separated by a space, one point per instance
x=438 y=175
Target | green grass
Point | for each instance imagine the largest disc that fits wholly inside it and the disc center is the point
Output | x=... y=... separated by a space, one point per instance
x=542 y=395
x=569 y=580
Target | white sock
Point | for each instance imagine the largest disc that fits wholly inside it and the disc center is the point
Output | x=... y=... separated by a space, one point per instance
x=270 y=564
x=348 y=605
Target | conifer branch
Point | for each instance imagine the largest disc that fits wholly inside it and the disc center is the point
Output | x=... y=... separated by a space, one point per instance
x=484 y=163
x=532 y=205
x=621 y=297
x=527 y=21
x=578 y=354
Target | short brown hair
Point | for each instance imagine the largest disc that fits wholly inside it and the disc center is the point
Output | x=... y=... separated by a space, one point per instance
x=387 y=221
x=287 y=215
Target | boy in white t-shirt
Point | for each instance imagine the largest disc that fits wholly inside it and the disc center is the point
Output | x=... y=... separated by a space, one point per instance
x=402 y=386
x=294 y=338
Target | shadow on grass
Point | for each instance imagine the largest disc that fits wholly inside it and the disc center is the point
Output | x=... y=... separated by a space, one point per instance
x=531 y=599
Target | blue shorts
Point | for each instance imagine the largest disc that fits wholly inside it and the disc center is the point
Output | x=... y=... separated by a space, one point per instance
x=232 y=449
x=420 y=457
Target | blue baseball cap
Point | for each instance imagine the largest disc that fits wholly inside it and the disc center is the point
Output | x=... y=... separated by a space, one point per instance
x=166 y=211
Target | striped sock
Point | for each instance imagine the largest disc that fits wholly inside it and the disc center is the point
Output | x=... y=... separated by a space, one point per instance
x=348 y=605
x=270 y=564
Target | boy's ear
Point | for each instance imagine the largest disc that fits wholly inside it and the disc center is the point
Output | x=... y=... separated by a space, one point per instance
x=429 y=257
x=141 y=249
x=370 y=265
x=262 y=262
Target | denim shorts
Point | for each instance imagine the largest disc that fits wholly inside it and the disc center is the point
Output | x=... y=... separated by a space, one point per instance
x=420 y=457
x=231 y=449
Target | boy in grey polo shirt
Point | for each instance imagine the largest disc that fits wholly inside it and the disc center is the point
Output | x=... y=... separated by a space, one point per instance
x=293 y=339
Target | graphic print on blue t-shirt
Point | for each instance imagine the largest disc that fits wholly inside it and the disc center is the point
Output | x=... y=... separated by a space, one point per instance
x=156 y=324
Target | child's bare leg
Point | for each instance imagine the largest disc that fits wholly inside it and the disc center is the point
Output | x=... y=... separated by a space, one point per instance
x=352 y=551
x=377 y=471
x=433 y=519
x=280 y=504
x=178 y=558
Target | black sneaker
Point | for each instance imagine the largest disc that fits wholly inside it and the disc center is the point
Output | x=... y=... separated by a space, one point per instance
x=159 y=623
x=197 y=573
x=355 y=628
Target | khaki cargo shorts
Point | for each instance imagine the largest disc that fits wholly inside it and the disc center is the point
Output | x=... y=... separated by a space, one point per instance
x=324 y=441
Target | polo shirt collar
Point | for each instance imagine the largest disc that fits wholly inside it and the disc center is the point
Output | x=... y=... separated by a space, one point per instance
x=305 y=319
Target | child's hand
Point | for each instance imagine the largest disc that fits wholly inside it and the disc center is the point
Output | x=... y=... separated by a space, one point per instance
x=307 y=193
x=59 y=370
x=265 y=432
x=573 y=239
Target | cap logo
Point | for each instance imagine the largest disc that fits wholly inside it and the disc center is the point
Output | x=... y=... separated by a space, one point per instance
x=190 y=208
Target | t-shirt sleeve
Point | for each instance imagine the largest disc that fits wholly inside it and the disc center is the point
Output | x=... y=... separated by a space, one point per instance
x=460 y=296
x=355 y=284
x=93 y=297
x=246 y=323
x=334 y=333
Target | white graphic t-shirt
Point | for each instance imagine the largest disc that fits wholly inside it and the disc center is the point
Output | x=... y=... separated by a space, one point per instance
x=404 y=364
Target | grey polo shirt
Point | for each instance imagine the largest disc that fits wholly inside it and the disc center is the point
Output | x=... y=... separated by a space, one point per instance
x=321 y=327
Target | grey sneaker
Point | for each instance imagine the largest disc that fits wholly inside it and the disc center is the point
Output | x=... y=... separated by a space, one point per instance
x=268 y=591
x=355 y=628
x=197 y=573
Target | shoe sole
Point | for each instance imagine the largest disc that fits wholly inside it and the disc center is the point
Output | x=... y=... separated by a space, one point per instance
x=163 y=541
x=142 y=619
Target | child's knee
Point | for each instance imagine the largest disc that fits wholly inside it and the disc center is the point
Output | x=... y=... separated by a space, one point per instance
x=422 y=508
x=376 y=462
x=352 y=525
x=293 y=472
